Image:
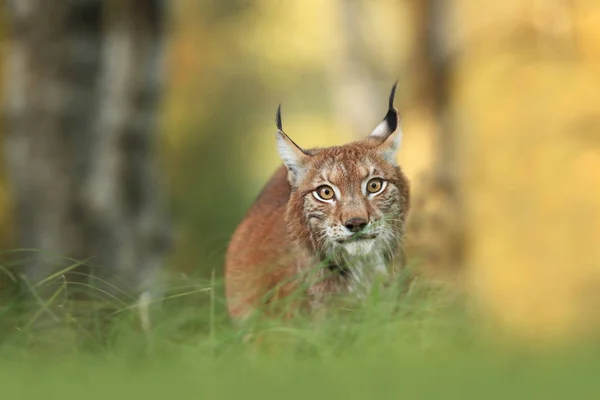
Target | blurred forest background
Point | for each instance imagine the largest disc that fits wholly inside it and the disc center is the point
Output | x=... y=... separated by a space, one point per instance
x=500 y=103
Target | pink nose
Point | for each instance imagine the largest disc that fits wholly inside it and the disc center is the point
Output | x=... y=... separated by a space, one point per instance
x=355 y=224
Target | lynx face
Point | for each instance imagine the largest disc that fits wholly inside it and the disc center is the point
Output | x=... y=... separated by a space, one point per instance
x=352 y=202
x=348 y=202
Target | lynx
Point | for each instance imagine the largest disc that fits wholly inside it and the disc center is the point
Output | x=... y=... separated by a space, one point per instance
x=339 y=212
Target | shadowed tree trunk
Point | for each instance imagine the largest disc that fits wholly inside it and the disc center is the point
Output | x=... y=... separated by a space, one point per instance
x=435 y=231
x=83 y=84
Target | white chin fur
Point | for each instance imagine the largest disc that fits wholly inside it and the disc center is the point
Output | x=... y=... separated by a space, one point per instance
x=359 y=248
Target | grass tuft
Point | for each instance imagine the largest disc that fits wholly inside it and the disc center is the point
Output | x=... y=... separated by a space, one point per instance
x=414 y=339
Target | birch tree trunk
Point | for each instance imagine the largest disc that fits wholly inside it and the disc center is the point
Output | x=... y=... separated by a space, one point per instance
x=82 y=85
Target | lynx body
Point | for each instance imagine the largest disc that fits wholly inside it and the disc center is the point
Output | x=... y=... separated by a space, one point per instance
x=329 y=222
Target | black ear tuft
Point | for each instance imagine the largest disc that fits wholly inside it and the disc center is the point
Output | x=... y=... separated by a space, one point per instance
x=278 y=118
x=391 y=121
x=392 y=95
x=391 y=118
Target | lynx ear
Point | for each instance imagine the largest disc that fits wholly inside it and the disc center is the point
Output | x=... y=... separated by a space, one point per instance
x=291 y=154
x=389 y=130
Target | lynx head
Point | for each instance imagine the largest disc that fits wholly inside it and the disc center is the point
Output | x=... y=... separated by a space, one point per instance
x=350 y=200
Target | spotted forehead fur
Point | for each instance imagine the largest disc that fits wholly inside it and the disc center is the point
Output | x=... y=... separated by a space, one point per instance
x=351 y=162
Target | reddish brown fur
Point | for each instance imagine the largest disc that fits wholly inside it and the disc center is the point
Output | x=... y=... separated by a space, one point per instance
x=272 y=244
x=259 y=252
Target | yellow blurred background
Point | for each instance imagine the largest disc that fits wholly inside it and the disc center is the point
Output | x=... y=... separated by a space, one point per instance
x=500 y=103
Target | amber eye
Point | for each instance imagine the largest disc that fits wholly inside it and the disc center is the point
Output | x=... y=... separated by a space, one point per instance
x=374 y=185
x=325 y=192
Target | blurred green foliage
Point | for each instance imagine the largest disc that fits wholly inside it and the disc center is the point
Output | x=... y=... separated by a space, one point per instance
x=426 y=348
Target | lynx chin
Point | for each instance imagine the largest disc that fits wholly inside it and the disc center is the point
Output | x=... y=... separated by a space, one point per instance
x=329 y=222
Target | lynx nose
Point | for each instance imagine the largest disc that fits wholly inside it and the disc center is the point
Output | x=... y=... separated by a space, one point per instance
x=355 y=224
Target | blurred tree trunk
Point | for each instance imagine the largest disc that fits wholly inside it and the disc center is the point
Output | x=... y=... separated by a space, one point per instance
x=357 y=101
x=435 y=233
x=82 y=83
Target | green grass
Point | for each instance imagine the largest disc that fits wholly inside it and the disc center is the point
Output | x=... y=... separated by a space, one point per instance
x=414 y=340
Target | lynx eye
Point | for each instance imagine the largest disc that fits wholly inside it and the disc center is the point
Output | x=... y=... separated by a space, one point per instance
x=325 y=192
x=375 y=185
